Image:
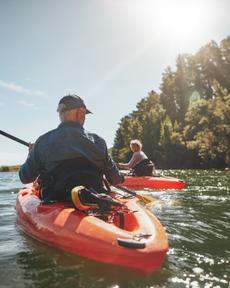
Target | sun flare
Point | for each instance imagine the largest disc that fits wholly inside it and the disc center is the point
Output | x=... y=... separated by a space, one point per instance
x=179 y=18
x=176 y=19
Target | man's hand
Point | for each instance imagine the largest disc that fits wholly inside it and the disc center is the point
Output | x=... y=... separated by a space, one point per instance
x=31 y=145
x=119 y=165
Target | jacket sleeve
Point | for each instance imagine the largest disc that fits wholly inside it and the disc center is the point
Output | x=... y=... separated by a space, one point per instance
x=30 y=170
x=112 y=173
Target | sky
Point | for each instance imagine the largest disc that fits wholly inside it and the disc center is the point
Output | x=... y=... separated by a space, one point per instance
x=109 y=52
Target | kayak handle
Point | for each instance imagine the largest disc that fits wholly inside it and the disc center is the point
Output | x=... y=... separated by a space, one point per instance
x=130 y=243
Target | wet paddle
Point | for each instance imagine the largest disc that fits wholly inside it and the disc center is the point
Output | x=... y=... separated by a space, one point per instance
x=145 y=198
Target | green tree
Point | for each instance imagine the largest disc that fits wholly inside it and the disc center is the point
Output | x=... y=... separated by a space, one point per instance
x=187 y=123
x=168 y=94
x=208 y=130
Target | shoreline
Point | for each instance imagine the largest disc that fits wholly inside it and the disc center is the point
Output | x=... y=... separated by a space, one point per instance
x=15 y=168
x=9 y=168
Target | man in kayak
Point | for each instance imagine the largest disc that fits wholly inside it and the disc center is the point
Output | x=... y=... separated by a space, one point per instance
x=139 y=164
x=69 y=156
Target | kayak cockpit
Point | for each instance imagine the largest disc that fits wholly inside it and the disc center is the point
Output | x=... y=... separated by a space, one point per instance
x=129 y=235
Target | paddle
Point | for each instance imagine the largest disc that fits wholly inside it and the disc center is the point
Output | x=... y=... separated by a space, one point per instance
x=14 y=138
x=145 y=198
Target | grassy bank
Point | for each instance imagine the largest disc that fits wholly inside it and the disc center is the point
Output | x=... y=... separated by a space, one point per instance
x=9 y=168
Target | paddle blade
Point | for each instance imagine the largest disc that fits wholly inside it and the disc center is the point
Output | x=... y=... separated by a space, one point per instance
x=145 y=198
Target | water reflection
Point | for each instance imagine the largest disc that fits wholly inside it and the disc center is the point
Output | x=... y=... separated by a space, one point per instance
x=43 y=266
x=196 y=219
x=198 y=229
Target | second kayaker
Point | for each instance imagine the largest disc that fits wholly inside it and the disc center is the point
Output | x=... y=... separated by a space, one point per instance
x=139 y=164
x=69 y=156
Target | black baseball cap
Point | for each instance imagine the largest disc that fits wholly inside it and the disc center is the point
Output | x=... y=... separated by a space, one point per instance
x=73 y=102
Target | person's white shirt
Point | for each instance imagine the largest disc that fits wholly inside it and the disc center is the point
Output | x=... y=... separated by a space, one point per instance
x=137 y=157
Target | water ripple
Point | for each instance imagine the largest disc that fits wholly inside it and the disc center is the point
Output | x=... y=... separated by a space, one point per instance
x=196 y=219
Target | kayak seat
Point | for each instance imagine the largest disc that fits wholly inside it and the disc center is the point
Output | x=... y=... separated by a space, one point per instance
x=143 y=168
x=85 y=199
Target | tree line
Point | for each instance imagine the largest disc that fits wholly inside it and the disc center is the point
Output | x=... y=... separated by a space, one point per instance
x=12 y=168
x=186 y=124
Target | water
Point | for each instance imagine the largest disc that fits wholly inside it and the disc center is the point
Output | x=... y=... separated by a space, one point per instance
x=196 y=219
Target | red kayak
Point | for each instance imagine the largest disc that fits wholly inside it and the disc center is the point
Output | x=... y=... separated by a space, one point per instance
x=130 y=236
x=153 y=182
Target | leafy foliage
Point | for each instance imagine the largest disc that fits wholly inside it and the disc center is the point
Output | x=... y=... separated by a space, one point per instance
x=187 y=124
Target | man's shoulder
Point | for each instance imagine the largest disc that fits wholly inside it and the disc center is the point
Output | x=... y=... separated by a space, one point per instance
x=46 y=135
x=96 y=138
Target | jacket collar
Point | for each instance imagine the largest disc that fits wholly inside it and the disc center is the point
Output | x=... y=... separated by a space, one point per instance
x=70 y=124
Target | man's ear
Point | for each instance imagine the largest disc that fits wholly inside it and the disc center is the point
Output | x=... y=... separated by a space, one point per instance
x=80 y=115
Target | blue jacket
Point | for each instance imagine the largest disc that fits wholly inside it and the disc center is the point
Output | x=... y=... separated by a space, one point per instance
x=68 y=141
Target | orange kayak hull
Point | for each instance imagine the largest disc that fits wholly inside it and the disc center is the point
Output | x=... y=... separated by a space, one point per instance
x=153 y=182
x=141 y=243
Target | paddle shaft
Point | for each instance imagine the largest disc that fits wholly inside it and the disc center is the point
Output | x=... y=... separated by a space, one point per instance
x=14 y=138
x=145 y=198
x=127 y=190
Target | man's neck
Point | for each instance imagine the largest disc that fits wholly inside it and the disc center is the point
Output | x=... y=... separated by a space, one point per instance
x=72 y=123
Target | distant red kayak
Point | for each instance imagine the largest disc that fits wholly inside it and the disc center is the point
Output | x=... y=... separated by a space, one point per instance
x=153 y=182
x=130 y=236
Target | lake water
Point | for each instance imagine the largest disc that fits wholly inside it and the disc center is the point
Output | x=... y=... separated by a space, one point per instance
x=197 y=220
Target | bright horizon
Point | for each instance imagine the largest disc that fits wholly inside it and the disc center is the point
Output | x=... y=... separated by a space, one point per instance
x=109 y=52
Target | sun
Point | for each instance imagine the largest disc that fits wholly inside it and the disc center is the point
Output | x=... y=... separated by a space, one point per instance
x=176 y=19
x=179 y=18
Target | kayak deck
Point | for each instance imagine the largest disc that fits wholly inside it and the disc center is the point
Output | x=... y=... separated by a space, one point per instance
x=132 y=237
x=153 y=182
